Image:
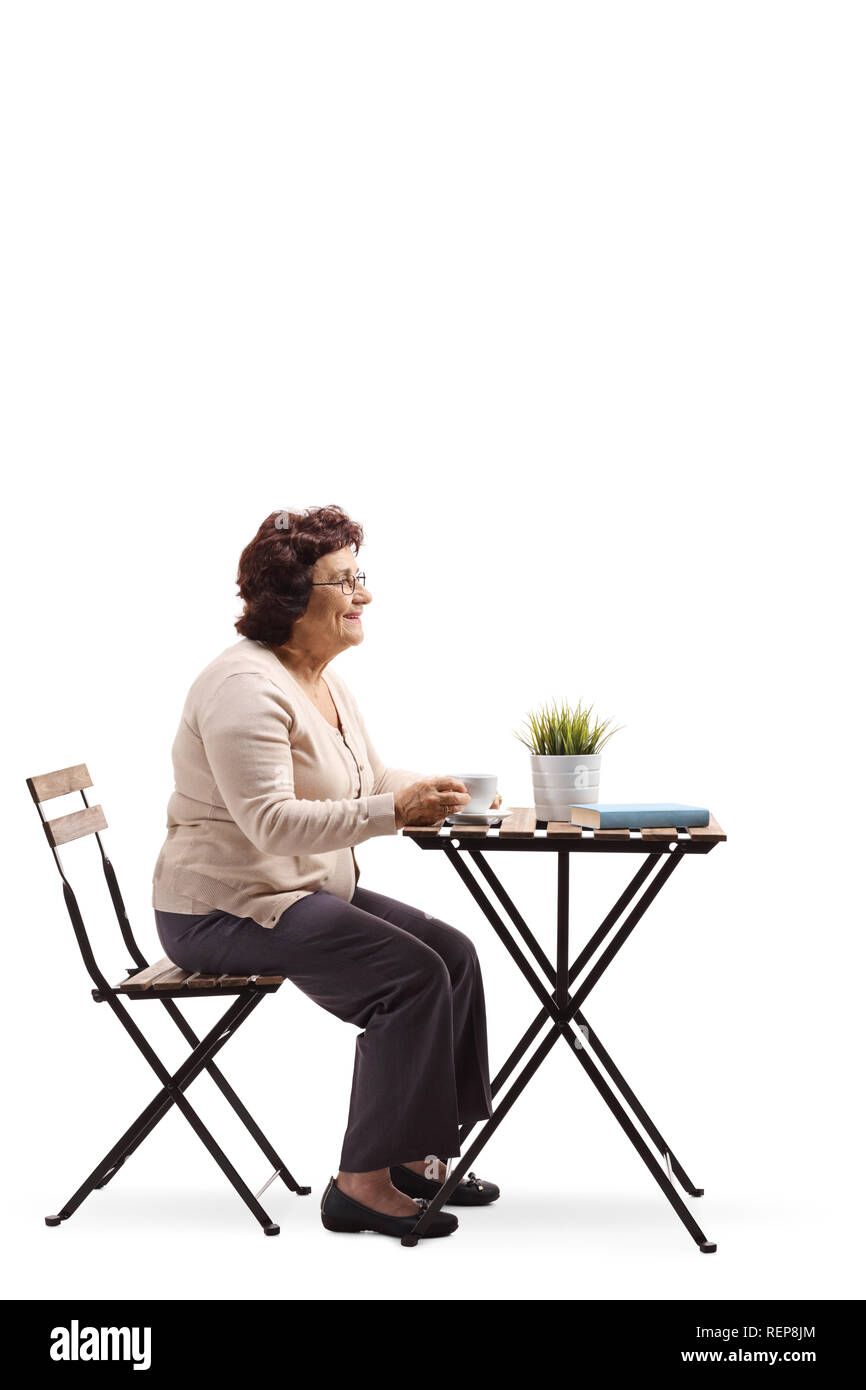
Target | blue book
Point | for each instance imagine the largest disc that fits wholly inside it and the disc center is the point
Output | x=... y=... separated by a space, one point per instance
x=635 y=815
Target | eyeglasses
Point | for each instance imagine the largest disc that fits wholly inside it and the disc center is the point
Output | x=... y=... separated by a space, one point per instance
x=347 y=582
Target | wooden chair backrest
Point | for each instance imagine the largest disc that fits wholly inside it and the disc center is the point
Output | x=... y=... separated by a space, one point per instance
x=65 y=828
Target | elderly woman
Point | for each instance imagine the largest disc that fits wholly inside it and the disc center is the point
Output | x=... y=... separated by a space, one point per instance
x=275 y=781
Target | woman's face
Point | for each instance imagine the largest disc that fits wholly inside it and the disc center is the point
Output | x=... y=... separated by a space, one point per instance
x=332 y=620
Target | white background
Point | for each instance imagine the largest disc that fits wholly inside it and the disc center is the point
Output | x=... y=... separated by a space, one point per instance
x=564 y=303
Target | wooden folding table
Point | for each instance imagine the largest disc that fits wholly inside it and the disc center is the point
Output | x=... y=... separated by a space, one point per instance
x=660 y=851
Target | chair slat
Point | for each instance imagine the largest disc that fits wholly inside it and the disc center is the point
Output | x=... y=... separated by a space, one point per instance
x=84 y=822
x=226 y=980
x=658 y=832
x=199 y=981
x=464 y=831
x=172 y=979
x=563 y=830
x=60 y=783
x=520 y=823
x=268 y=979
x=417 y=832
x=620 y=834
x=145 y=979
x=713 y=831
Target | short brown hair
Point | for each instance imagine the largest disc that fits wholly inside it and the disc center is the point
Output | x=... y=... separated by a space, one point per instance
x=275 y=572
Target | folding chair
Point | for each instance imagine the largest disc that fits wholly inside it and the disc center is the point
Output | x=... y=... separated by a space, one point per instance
x=166 y=982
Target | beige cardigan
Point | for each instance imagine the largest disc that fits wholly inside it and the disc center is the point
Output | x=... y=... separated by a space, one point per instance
x=269 y=798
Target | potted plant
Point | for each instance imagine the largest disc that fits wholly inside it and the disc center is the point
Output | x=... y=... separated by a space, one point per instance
x=565 y=746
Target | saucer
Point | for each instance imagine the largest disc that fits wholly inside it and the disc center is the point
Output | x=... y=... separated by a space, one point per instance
x=476 y=817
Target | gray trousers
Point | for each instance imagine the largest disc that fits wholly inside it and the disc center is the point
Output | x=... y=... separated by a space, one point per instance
x=410 y=981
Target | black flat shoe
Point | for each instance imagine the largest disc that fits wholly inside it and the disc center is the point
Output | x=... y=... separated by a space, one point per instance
x=342 y=1213
x=471 y=1192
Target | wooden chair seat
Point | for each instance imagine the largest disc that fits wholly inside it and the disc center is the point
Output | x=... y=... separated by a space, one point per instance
x=164 y=977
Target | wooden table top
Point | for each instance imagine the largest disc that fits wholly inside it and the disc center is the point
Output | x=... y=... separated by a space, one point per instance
x=519 y=823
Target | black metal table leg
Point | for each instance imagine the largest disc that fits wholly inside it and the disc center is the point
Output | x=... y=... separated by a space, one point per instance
x=613 y=1071
x=585 y=955
x=475 y=1148
x=581 y=960
x=562 y=1010
x=661 y=1177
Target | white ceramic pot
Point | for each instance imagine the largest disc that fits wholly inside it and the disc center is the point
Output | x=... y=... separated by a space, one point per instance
x=559 y=779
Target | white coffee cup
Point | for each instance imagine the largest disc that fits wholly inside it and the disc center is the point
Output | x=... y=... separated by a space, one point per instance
x=481 y=786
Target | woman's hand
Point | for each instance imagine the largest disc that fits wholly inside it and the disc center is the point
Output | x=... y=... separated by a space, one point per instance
x=497 y=801
x=429 y=801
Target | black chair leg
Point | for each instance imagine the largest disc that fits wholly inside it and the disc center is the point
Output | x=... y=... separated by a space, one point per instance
x=171 y=1094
